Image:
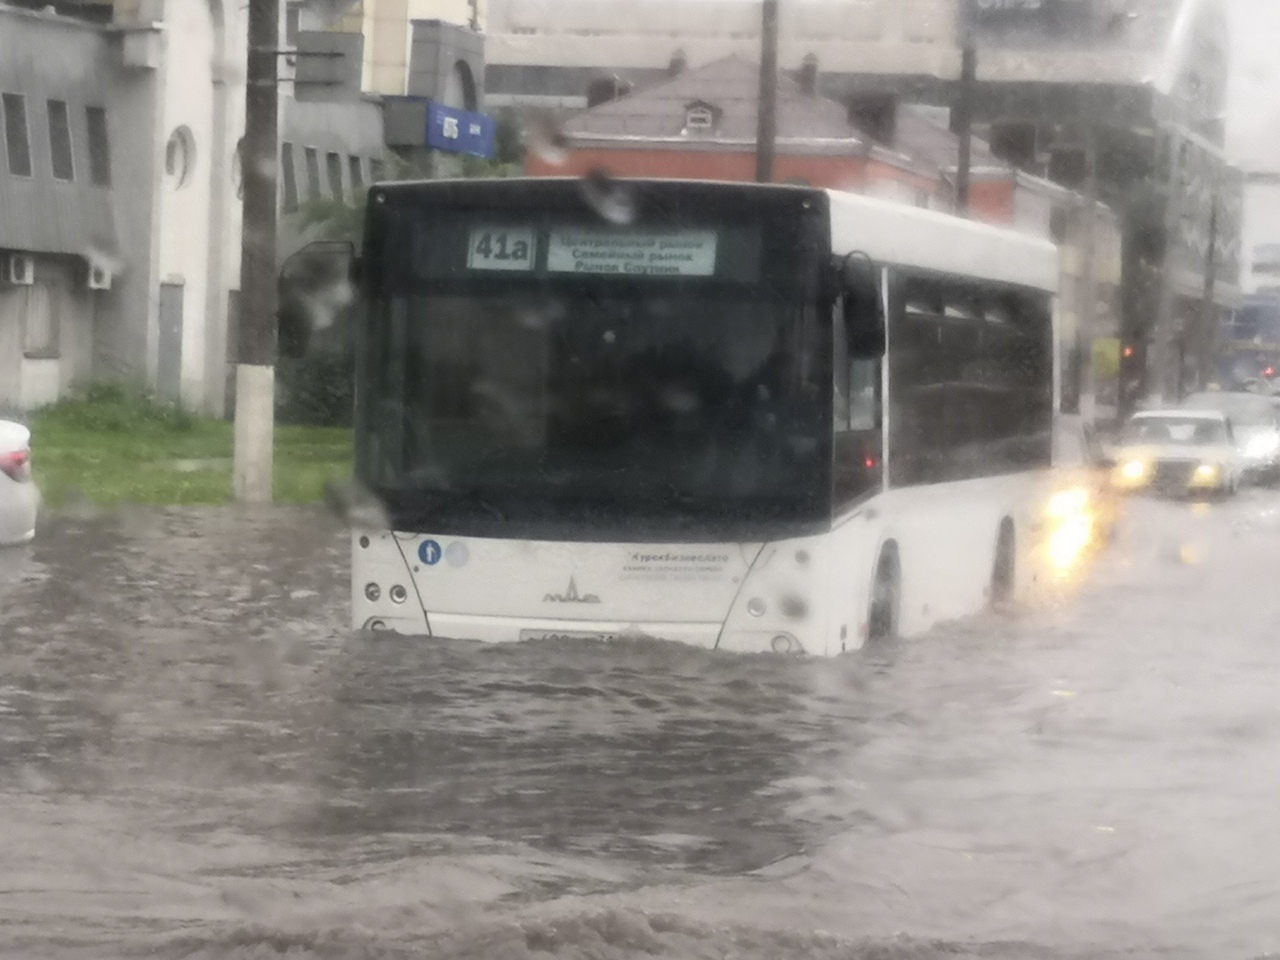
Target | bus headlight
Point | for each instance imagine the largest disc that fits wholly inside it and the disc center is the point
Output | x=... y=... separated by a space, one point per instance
x=1066 y=503
x=372 y=592
x=1206 y=475
x=1072 y=516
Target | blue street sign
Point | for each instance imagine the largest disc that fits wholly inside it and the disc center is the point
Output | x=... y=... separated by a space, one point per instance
x=459 y=131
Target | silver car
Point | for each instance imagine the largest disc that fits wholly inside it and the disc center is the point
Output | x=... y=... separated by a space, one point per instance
x=1255 y=425
x=19 y=498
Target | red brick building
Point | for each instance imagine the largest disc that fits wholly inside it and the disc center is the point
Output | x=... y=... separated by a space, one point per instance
x=701 y=123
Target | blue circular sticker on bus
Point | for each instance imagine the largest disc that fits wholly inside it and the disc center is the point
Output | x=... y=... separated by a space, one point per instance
x=430 y=553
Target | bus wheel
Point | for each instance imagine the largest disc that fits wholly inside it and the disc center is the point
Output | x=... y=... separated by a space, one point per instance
x=882 y=615
x=1004 y=571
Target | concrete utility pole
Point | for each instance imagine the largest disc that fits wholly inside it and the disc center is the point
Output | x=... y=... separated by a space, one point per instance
x=964 y=124
x=1207 y=339
x=1165 y=376
x=256 y=354
x=767 y=127
x=1087 y=315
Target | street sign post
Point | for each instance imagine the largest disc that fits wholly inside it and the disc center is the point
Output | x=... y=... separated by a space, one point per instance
x=459 y=131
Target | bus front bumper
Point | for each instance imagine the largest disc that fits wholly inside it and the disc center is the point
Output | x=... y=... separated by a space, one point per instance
x=709 y=636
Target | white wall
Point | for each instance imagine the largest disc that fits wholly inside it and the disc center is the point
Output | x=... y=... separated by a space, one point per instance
x=11 y=301
x=228 y=76
x=1261 y=226
x=187 y=101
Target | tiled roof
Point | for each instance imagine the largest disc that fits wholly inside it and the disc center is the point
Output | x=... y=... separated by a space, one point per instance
x=731 y=86
x=930 y=142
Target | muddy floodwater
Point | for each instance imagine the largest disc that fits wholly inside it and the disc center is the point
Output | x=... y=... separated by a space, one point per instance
x=199 y=760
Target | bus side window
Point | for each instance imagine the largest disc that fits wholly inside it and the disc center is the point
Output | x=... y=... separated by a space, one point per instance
x=858 y=446
x=864 y=394
x=840 y=370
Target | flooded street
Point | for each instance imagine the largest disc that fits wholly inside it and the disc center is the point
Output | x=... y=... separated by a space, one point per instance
x=198 y=759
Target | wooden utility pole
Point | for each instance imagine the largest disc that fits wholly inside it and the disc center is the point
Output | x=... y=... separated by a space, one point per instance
x=963 y=124
x=767 y=126
x=256 y=353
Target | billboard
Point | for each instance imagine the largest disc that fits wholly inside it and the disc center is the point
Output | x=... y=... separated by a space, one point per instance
x=459 y=131
x=1036 y=24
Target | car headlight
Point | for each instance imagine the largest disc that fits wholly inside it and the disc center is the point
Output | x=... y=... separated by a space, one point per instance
x=1207 y=474
x=1262 y=446
x=1132 y=471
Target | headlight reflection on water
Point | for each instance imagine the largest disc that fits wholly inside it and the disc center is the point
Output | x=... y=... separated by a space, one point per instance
x=1072 y=517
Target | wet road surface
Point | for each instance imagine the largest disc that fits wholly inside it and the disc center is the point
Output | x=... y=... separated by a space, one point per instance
x=197 y=759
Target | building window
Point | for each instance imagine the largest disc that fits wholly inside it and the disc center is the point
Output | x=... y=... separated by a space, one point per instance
x=699 y=119
x=334 y=163
x=180 y=156
x=40 y=323
x=15 y=134
x=292 y=22
x=60 y=141
x=357 y=174
x=288 y=177
x=313 y=172
x=99 y=147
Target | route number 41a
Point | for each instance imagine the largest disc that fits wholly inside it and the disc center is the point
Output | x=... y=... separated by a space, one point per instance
x=501 y=249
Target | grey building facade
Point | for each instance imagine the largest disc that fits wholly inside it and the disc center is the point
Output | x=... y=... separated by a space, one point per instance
x=75 y=198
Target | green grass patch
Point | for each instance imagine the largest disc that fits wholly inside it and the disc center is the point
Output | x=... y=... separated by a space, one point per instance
x=115 y=447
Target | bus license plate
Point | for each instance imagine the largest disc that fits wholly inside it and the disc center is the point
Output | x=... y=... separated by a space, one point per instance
x=565 y=635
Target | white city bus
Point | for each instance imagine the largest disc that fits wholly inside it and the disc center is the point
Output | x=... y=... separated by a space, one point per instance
x=752 y=418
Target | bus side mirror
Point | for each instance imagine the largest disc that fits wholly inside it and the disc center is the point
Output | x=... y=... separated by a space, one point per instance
x=315 y=287
x=863 y=306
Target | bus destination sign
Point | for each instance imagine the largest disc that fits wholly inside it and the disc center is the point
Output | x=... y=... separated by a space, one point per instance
x=674 y=253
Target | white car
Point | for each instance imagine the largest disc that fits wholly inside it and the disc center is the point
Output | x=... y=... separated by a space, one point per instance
x=19 y=498
x=1178 y=452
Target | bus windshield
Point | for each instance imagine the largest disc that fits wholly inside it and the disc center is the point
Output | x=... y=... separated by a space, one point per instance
x=557 y=398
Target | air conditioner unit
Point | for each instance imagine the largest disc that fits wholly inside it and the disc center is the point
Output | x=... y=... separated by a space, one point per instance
x=99 y=277
x=20 y=270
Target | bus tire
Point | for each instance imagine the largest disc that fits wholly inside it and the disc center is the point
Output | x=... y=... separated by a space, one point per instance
x=1005 y=568
x=882 y=611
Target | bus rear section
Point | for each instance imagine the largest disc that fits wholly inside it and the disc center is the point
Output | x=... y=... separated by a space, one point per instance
x=749 y=418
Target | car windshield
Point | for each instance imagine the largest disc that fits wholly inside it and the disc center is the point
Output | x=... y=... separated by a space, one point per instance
x=1191 y=431
x=1243 y=409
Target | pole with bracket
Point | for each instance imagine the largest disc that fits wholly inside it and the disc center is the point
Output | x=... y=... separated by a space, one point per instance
x=767 y=120
x=964 y=123
x=253 y=460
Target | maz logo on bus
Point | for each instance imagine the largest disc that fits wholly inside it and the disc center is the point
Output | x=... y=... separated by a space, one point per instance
x=571 y=595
